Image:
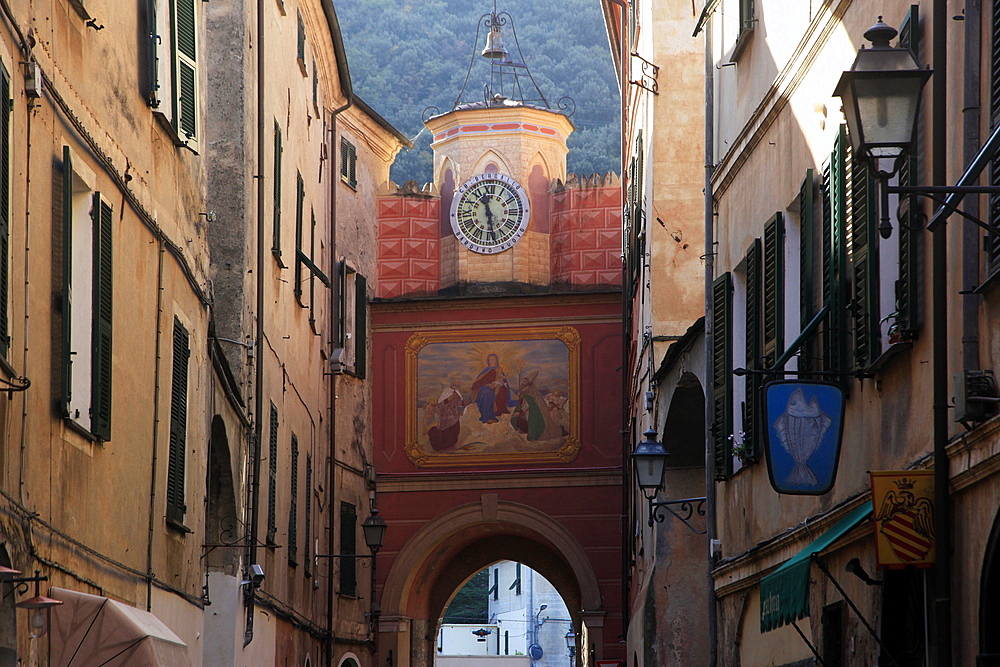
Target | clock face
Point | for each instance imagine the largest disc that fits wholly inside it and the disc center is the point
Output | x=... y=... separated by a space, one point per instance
x=489 y=213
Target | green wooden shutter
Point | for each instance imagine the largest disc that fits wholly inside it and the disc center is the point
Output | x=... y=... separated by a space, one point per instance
x=301 y=41
x=293 y=505
x=807 y=270
x=66 y=297
x=178 y=424
x=754 y=351
x=722 y=374
x=153 y=56
x=300 y=196
x=834 y=257
x=276 y=214
x=6 y=108
x=908 y=284
x=348 y=547
x=993 y=238
x=308 y=510
x=186 y=63
x=773 y=289
x=516 y=584
x=272 y=477
x=360 y=325
x=864 y=265
x=495 y=588
x=101 y=372
x=348 y=162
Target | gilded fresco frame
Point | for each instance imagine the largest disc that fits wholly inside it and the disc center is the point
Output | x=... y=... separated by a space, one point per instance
x=569 y=450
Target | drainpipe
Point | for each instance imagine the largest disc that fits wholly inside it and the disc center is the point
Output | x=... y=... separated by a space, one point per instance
x=939 y=292
x=971 y=112
x=710 y=528
x=258 y=409
x=156 y=429
x=334 y=338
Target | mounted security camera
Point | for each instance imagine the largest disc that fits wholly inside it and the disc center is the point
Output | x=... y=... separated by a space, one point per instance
x=256 y=575
x=338 y=361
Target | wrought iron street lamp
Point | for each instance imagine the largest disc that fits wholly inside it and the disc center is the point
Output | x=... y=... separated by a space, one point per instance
x=571 y=645
x=38 y=606
x=374 y=529
x=650 y=460
x=881 y=95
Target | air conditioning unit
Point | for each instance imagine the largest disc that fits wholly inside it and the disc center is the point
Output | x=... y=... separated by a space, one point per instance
x=975 y=396
x=338 y=361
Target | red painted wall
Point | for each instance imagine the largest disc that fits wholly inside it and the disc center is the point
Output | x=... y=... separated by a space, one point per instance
x=586 y=243
x=590 y=510
x=409 y=245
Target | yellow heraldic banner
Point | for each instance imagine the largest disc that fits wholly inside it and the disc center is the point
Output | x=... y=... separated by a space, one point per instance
x=903 y=501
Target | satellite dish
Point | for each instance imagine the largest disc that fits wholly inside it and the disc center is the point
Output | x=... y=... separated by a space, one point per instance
x=535 y=652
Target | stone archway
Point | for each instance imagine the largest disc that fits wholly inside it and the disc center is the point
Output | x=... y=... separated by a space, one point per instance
x=989 y=601
x=438 y=559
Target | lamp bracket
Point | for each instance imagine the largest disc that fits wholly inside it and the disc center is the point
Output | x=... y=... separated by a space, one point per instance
x=930 y=190
x=14 y=384
x=687 y=507
x=746 y=371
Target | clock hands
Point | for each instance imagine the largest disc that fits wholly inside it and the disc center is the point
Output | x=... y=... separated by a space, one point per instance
x=485 y=201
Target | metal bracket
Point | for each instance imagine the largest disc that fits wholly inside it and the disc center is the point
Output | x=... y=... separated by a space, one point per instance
x=15 y=384
x=648 y=71
x=687 y=506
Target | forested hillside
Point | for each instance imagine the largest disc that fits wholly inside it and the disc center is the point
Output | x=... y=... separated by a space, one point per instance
x=405 y=56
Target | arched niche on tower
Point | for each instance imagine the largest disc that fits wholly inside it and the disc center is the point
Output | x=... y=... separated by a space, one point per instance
x=538 y=190
x=436 y=561
x=491 y=159
x=446 y=186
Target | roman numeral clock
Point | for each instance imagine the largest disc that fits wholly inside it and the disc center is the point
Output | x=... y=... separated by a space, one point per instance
x=490 y=213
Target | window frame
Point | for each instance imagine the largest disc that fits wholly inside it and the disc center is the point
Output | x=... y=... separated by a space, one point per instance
x=348 y=163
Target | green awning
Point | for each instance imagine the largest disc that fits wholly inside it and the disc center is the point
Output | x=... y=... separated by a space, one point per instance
x=784 y=594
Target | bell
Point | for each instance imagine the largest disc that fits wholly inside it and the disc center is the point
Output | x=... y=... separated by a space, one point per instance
x=494 y=45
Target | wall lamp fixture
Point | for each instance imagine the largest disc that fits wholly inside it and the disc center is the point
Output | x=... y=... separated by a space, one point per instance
x=650 y=461
x=38 y=606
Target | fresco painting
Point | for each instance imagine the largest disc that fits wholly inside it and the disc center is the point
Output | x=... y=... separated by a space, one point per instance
x=493 y=401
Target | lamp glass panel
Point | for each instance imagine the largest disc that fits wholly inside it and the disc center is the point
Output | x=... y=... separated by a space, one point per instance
x=374 y=534
x=649 y=471
x=888 y=109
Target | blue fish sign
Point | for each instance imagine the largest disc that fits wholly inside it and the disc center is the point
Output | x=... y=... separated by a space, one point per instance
x=804 y=422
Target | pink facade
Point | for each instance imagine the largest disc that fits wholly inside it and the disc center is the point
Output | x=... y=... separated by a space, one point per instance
x=586 y=242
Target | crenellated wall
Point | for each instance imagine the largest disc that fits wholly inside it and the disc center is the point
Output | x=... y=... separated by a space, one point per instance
x=586 y=237
x=580 y=245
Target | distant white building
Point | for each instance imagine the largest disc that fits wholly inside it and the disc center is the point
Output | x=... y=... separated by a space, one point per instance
x=528 y=622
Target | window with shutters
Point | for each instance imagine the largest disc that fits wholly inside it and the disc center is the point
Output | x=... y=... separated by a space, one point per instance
x=722 y=375
x=516 y=584
x=307 y=271
x=6 y=110
x=173 y=71
x=300 y=53
x=863 y=255
x=635 y=237
x=354 y=320
x=176 y=506
x=748 y=21
x=348 y=163
x=86 y=301
x=772 y=278
x=809 y=273
x=833 y=252
x=992 y=241
x=750 y=413
x=272 y=477
x=276 y=198
x=293 y=504
x=308 y=518
x=348 y=547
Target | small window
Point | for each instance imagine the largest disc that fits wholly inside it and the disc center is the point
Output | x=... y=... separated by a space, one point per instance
x=86 y=302
x=276 y=200
x=293 y=505
x=272 y=478
x=348 y=547
x=748 y=22
x=354 y=320
x=178 y=425
x=348 y=163
x=301 y=52
x=173 y=76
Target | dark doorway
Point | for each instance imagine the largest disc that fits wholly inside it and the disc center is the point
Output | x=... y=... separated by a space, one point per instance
x=903 y=618
x=989 y=602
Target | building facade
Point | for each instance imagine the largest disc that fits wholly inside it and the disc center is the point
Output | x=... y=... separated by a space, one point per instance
x=809 y=283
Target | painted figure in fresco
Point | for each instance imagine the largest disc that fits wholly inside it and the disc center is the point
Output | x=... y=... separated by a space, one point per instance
x=532 y=416
x=556 y=403
x=800 y=429
x=491 y=392
x=448 y=412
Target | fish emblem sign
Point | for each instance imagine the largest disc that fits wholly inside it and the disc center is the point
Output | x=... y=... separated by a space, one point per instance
x=904 y=518
x=802 y=433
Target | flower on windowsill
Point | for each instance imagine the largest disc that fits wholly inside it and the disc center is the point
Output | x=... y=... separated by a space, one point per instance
x=739 y=446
